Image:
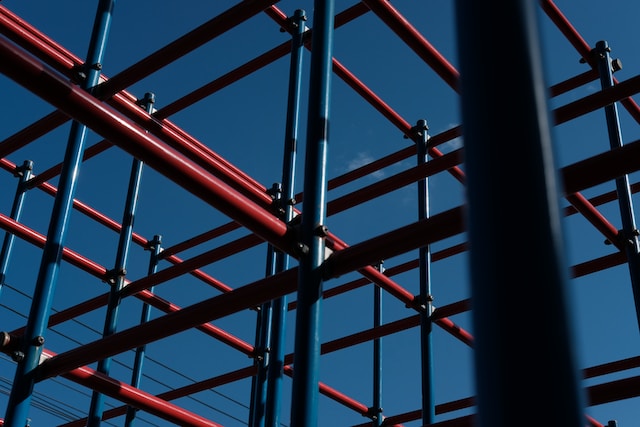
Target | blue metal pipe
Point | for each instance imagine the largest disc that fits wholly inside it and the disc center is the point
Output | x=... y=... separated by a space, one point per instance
x=155 y=246
x=623 y=189
x=279 y=305
x=514 y=253
x=24 y=172
x=32 y=344
x=257 y=406
x=421 y=138
x=118 y=275
x=117 y=283
x=305 y=391
x=377 y=356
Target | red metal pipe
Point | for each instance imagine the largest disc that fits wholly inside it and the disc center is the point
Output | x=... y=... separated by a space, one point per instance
x=601 y=168
x=613 y=391
x=598 y=264
x=135 y=397
x=201 y=238
x=395 y=182
x=336 y=395
x=396 y=242
x=597 y=100
x=574 y=82
x=54 y=171
x=596 y=218
x=177 y=393
x=611 y=367
x=398 y=156
x=185 y=44
x=205 y=311
x=38 y=239
x=412 y=37
x=191 y=264
x=32 y=132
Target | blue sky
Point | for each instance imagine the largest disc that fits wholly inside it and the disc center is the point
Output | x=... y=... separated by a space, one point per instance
x=245 y=124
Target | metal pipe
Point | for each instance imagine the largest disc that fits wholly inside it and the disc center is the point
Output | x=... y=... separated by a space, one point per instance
x=305 y=394
x=376 y=409
x=21 y=392
x=499 y=367
x=145 y=401
x=629 y=233
x=420 y=137
x=145 y=316
x=287 y=201
x=412 y=37
x=117 y=275
x=262 y=359
x=24 y=172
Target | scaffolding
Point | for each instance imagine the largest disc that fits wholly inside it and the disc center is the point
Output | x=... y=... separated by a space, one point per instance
x=153 y=276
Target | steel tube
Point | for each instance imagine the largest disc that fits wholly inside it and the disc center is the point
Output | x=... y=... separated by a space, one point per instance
x=630 y=243
x=24 y=173
x=145 y=316
x=304 y=403
x=32 y=346
x=412 y=37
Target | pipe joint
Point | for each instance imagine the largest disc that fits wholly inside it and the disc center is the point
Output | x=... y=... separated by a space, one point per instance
x=113 y=275
x=373 y=413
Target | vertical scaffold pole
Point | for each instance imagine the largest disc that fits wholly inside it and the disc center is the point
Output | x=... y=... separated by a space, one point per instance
x=262 y=359
x=117 y=275
x=515 y=252
x=376 y=409
x=305 y=391
x=155 y=246
x=33 y=340
x=24 y=172
x=623 y=189
x=279 y=308
x=421 y=138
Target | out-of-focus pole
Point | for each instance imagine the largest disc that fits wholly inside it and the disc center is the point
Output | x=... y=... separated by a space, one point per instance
x=376 y=409
x=421 y=138
x=24 y=172
x=155 y=246
x=313 y=230
x=117 y=276
x=508 y=267
x=33 y=340
x=623 y=189
x=279 y=305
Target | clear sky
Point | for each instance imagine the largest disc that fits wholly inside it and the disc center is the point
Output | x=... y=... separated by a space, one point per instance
x=244 y=123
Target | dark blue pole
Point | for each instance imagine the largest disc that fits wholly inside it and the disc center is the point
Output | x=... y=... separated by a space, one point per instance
x=262 y=357
x=421 y=138
x=305 y=391
x=287 y=201
x=24 y=172
x=117 y=276
x=623 y=189
x=155 y=246
x=518 y=271
x=32 y=344
x=376 y=410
